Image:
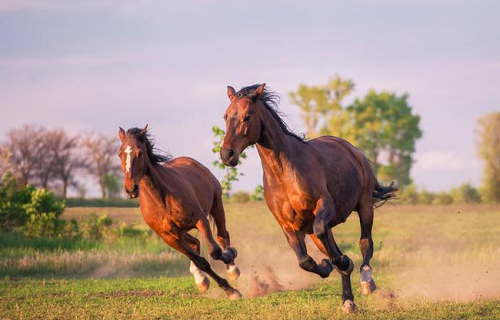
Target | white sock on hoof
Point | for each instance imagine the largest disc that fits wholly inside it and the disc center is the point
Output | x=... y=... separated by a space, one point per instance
x=199 y=276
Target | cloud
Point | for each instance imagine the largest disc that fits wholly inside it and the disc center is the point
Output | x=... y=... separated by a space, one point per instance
x=443 y=160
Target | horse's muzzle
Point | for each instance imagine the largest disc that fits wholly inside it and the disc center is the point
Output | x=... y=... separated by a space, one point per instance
x=229 y=157
x=134 y=193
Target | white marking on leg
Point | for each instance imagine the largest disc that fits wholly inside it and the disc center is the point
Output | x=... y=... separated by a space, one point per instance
x=232 y=268
x=128 y=163
x=199 y=276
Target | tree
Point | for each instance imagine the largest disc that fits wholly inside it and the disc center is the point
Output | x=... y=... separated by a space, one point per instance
x=25 y=149
x=67 y=159
x=383 y=123
x=380 y=124
x=321 y=106
x=102 y=152
x=488 y=144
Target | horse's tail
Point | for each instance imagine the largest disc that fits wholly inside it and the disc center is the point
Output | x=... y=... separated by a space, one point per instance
x=381 y=194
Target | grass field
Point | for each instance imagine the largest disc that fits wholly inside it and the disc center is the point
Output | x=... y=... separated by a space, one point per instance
x=429 y=263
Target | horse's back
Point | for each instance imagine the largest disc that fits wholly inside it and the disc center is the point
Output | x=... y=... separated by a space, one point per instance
x=197 y=178
x=348 y=172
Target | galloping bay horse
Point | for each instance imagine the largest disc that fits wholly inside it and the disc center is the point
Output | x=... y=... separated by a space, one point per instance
x=176 y=196
x=309 y=186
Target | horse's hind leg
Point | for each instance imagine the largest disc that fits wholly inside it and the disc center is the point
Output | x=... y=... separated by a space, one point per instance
x=227 y=256
x=325 y=214
x=219 y=216
x=200 y=277
x=201 y=263
x=366 y=245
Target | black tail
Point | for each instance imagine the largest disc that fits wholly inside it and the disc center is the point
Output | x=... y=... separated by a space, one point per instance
x=382 y=194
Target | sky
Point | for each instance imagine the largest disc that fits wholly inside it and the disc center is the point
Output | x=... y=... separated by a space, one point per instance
x=95 y=65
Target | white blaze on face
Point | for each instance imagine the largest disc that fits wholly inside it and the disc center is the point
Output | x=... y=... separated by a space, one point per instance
x=128 y=162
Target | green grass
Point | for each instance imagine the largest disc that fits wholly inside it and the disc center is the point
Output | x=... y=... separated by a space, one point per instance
x=429 y=263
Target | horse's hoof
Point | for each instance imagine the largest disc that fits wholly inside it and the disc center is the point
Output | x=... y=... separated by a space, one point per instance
x=204 y=284
x=349 y=307
x=233 y=272
x=367 y=282
x=368 y=287
x=235 y=253
x=234 y=295
x=326 y=265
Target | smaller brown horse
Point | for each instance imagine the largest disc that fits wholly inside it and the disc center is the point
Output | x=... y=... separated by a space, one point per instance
x=176 y=196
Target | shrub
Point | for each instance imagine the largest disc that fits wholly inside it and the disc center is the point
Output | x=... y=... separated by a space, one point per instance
x=12 y=199
x=426 y=197
x=94 y=227
x=43 y=213
x=240 y=197
x=465 y=193
x=409 y=194
x=258 y=193
x=442 y=198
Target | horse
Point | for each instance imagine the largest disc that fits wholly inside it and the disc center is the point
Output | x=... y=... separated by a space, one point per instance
x=310 y=186
x=176 y=196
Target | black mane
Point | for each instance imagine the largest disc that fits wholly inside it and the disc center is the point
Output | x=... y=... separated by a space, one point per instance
x=270 y=100
x=154 y=156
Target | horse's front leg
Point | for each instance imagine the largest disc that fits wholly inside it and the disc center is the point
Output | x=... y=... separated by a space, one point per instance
x=227 y=256
x=325 y=213
x=296 y=241
x=201 y=263
x=200 y=278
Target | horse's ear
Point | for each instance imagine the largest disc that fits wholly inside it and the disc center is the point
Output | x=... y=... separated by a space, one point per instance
x=121 y=134
x=260 y=89
x=145 y=130
x=231 y=93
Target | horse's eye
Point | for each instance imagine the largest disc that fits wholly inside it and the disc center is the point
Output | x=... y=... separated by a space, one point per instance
x=246 y=119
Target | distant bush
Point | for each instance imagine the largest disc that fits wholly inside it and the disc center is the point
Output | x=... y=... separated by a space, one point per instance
x=465 y=193
x=426 y=197
x=258 y=193
x=240 y=197
x=35 y=211
x=95 y=227
x=442 y=198
x=409 y=195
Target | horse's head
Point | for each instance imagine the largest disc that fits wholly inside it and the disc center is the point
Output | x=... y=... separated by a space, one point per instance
x=243 y=123
x=133 y=155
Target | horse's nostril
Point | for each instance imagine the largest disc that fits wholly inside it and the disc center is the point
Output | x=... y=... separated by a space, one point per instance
x=231 y=153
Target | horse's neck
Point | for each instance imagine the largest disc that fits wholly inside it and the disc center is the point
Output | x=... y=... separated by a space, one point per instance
x=274 y=149
x=151 y=187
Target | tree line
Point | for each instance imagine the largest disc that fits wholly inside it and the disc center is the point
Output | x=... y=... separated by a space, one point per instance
x=53 y=159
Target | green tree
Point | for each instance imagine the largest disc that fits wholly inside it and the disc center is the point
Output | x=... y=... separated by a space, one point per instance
x=231 y=174
x=384 y=125
x=489 y=150
x=258 y=193
x=321 y=106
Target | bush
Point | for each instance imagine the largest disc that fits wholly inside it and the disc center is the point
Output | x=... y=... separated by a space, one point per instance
x=409 y=194
x=258 y=193
x=465 y=193
x=240 y=197
x=442 y=198
x=95 y=228
x=426 y=197
x=43 y=213
x=12 y=199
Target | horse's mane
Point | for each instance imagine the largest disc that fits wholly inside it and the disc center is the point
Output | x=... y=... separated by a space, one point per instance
x=270 y=100
x=155 y=155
